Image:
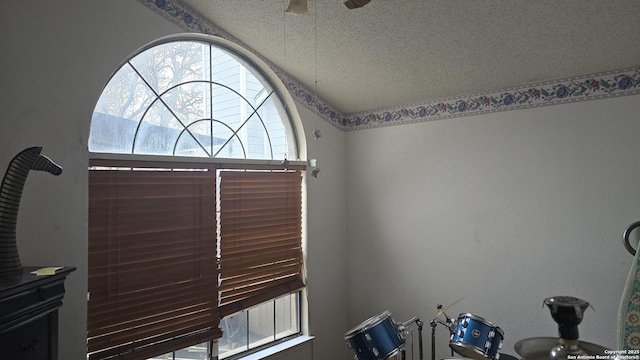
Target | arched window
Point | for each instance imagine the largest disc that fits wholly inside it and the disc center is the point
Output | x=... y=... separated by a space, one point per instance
x=192 y=98
x=195 y=203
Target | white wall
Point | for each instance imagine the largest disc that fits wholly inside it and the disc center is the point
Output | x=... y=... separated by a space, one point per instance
x=326 y=249
x=504 y=209
x=56 y=57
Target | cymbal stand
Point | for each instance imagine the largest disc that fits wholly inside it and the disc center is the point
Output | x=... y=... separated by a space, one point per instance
x=419 y=323
x=434 y=322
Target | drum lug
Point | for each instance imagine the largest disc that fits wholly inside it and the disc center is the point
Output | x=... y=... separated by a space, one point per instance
x=461 y=334
x=376 y=352
x=368 y=337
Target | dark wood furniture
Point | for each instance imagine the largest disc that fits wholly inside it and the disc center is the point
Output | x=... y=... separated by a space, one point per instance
x=29 y=314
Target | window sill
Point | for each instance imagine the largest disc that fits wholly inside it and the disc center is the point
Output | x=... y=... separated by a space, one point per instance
x=279 y=348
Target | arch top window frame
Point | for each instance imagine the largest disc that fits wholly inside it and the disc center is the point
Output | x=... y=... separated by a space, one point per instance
x=271 y=93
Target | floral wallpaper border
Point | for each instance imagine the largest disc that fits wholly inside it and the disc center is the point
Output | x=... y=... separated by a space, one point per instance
x=604 y=85
x=591 y=87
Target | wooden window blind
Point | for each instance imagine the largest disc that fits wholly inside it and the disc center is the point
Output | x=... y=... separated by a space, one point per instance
x=152 y=262
x=260 y=237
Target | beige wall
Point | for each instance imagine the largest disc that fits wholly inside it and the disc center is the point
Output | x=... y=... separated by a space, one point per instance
x=57 y=55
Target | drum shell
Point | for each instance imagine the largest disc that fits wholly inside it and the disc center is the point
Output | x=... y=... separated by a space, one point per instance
x=377 y=338
x=476 y=338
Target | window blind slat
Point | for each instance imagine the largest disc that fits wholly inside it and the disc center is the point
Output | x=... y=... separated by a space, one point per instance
x=258 y=277
x=157 y=345
x=253 y=261
x=244 y=246
x=130 y=313
x=106 y=330
x=132 y=291
x=247 y=298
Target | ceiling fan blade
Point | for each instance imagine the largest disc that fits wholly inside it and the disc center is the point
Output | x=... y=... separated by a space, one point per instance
x=298 y=7
x=352 y=4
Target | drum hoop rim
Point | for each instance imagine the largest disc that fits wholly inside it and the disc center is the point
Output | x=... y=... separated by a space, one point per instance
x=393 y=352
x=483 y=320
x=469 y=347
x=368 y=324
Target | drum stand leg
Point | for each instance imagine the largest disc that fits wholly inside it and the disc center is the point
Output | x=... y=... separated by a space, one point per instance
x=420 y=323
x=434 y=323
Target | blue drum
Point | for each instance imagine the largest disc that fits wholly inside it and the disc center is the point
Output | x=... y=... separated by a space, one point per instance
x=476 y=338
x=376 y=338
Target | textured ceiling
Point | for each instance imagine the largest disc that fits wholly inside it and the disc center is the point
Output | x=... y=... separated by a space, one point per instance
x=393 y=53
